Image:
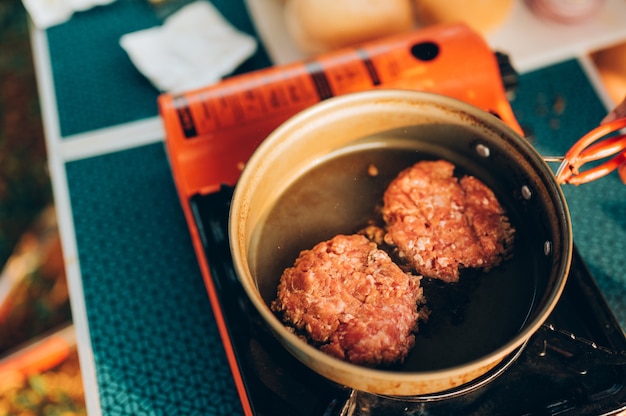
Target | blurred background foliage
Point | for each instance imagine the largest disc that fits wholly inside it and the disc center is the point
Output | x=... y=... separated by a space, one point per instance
x=34 y=297
x=24 y=182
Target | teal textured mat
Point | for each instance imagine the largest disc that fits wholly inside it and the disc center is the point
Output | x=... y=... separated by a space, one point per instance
x=559 y=105
x=156 y=345
x=95 y=82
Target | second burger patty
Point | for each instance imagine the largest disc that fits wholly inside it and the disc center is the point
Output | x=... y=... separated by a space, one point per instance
x=441 y=224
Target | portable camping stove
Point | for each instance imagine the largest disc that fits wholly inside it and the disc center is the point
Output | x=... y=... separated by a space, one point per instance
x=571 y=365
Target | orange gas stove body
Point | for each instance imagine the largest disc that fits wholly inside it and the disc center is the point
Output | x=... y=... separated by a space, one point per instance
x=211 y=132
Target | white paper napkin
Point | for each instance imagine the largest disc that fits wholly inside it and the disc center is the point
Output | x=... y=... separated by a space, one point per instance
x=47 y=13
x=193 y=48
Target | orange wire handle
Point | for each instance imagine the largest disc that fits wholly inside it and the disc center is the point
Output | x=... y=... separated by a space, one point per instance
x=583 y=152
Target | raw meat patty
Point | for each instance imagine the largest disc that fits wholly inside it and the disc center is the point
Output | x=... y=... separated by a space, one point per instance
x=441 y=224
x=348 y=298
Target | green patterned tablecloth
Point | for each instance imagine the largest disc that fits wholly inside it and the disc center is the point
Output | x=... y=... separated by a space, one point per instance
x=96 y=84
x=155 y=342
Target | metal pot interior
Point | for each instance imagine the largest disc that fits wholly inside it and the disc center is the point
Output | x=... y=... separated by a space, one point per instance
x=305 y=185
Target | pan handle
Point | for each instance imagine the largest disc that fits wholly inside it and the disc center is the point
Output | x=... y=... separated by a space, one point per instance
x=586 y=150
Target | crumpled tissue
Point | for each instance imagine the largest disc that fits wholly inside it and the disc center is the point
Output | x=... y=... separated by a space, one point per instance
x=195 y=47
x=47 y=13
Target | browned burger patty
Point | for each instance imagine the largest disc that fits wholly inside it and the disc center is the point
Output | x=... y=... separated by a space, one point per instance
x=440 y=224
x=350 y=299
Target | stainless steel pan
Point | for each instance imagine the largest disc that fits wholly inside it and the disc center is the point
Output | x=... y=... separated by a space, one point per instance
x=308 y=181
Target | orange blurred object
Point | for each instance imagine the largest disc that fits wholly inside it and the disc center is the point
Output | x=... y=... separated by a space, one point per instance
x=40 y=355
x=611 y=65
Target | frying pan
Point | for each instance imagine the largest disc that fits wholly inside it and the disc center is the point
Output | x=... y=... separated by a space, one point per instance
x=308 y=181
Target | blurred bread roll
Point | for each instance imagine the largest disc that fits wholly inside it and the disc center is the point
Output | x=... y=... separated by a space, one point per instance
x=481 y=15
x=318 y=26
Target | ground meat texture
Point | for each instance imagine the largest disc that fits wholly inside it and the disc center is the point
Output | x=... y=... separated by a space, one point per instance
x=441 y=224
x=352 y=301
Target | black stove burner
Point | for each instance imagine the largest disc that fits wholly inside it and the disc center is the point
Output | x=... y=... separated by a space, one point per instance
x=575 y=364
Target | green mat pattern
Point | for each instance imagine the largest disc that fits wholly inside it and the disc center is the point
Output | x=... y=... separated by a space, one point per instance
x=156 y=345
x=95 y=82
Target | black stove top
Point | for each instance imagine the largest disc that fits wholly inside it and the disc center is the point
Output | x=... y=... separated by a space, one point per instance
x=575 y=364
